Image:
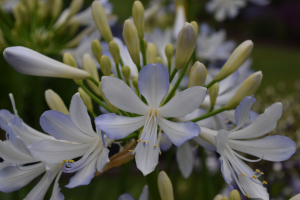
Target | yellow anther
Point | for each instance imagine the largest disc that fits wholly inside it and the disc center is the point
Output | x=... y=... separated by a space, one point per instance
x=130 y=150
x=258 y=171
x=144 y=141
x=138 y=140
x=254 y=177
x=147 y=142
x=247 y=195
x=61 y=163
x=265 y=182
x=243 y=174
x=60 y=166
x=64 y=161
x=154 y=145
x=261 y=173
x=71 y=161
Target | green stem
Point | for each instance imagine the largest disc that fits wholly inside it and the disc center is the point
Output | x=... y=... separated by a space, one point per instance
x=173 y=75
x=92 y=113
x=210 y=84
x=170 y=95
x=118 y=71
x=152 y=184
x=209 y=114
x=139 y=67
x=98 y=101
x=206 y=194
x=94 y=81
x=143 y=50
x=121 y=62
x=169 y=67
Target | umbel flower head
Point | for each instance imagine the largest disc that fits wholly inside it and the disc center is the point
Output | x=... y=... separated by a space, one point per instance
x=153 y=84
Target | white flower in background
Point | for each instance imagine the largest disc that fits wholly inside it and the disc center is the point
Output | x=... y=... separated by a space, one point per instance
x=144 y=195
x=75 y=137
x=212 y=45
x=153 y=84
x=273 y=148
x=180 y=20
x=229 y=8
x=7 y=5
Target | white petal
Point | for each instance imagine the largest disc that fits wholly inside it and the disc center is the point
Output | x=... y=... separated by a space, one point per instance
x=17 y=142
x=225 y=170
x=180 y=19
x=204 y=144
x=84 y=175
x=122 y=96
x=165 y=143
x=125 y=197
x=185 y=159
x=242 y=112
x=154 y=83
x=56 y=194
x=221 y=139
x=53 y=151
x=5 y=117
x=61 y=127
x=179 y=132
x=263 y=124
x=297 y=197
x=80 y=116
x=118 y=127
x=184 y=102
x=103 y=159
x=30 y=62
x=272 y=148
x=12 y=178
x=254 y=190
x=145 y=193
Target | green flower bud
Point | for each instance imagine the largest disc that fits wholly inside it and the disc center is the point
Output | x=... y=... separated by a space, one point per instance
x=135 y=83
x=75 y=6
x=151 y=53
x=56 y=8
x=131 y=39
x=114 y=51
x=213 y=94
x=158 y=60
x=126 y=72
x=69 y=59
x=97 y=49
x=86 y=100
x=88 y=65
x=105 y=65
x=234 y=195
x=169 y=51
x=195 y=25
x=55 y=102
x=198 y=75
x=165 y=186
x=139 y=18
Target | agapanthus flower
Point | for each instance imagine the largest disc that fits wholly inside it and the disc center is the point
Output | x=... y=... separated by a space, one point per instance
x=144 y=195
x=153 y=85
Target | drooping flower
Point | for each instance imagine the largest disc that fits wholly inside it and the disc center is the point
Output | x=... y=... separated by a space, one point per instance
x=153 y=85
x=272 y=148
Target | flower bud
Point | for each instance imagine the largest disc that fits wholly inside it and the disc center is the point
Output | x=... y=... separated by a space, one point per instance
x=224 y=198
x=213 y=94
x=165 y=186
x=198 y=75
x=126 y=72
x=31 y=4
x=41 y=11
x=69 y=59
x=86 y=100
x=234 y=195
x=114 y=51
x=158 y=60
x=112 y=107
x=101 y=22
x=237 y=58
x=88 y=65
x=249 y=87
x=97 y=49
x=139 y=18
x=131 y=40
x=151 y=53
x=186 y=42
x=195 y=25
x=73 y=28
x=56 y=8
x=218 y=197
x=55 y=102
x=169 y=51
x=75 y=6
x=105 y=65
x=135 y=83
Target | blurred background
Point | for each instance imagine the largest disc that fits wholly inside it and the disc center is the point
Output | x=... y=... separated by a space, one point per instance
x=275 y=31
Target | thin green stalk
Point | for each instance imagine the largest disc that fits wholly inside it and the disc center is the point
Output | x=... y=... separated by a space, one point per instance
x=152 y=184
x=121 y=62
x=94 y=81
x=143 y=50
x=92 y=113
x=170 y=95
x=210 y=84
x=205 y=185
x=118 y=71
x=169 y=67
x=139 y=67
x=127 y=82
x=98 y=101
x=209 y=114
x=173 y=75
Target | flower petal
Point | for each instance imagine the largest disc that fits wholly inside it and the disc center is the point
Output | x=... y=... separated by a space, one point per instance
x=272 y=148
x=263 y=124
x=56 y=194
x=184 y=102
x=17 y=142
x=145 y=193
x=204 y=144
x=254 y=190
x=179 y=132
x=53 y=151
x=154 y=83
x=5 y=117
x=84 y=175
x=242 y=112
x=125 y=197
x=118 y=127
x=123 y=97
x=165 y=143
x=185 y=159
x=103 y=159
x=225 y=170
x=80 y=116
x=221 y=139
x=61 y=127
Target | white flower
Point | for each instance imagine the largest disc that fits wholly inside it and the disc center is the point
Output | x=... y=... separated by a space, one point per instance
x=7 y=5
x=180 y=20
x=153 y=85
x=144 y=195
x=83 y=141
x=272 y=148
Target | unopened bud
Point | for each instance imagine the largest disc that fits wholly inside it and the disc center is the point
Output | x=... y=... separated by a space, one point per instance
x=195 y=25
x=56 y=8
x=101 y=21
x=69 y=59
x=135 y=83
x=139 y=18
x=75 y=6
x=218 y=197
x=224 y=198
x=198 y=75
x=88 y=65
x=114 y=51
x=112 y=107
x=31 y=4
x=158 y=60
x=97 y=49
x=86 y=100
x=213 y=94
x=234 y=195
x=55 y=102
x=165 y=186
x=186 y=42
x=237 y=58
x=24 y=13
x=126 y=72
x=131 y=39
x=105 y=65
x=249 y=87
x=169 y=51
x=41 y=11
x=151 y=53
